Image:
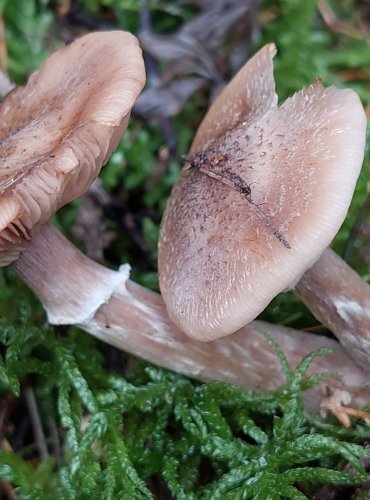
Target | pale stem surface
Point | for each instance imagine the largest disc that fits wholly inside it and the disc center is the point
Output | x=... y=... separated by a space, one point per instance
x=340 y=299
x=135 y=320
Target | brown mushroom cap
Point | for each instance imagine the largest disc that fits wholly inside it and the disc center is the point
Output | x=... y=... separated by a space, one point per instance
x=58 y=130
x=220 y=260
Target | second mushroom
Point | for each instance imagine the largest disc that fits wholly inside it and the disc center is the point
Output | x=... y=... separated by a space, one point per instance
x=263 y=192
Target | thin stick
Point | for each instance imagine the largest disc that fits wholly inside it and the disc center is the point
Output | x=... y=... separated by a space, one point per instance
x=212 y=165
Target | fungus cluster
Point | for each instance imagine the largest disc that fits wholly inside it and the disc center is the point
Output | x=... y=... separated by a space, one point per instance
x=231 y=239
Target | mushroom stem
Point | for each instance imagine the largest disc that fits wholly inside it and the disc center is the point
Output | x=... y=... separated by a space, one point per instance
x=340 y=299
x=76 y=290
x=70 y=285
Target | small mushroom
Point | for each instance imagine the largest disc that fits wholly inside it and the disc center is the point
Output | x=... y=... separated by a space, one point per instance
x=263 y=192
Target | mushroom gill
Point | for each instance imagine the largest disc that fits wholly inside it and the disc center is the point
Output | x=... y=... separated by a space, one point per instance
x=58 y=130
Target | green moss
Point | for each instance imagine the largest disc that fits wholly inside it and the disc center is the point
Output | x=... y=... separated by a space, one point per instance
x=199 y=440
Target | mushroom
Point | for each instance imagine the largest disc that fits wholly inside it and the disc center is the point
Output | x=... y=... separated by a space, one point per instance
x=58 y=130
x=76 y=290
x=263 y=192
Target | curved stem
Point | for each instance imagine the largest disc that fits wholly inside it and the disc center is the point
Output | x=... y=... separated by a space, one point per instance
x=340 y=299
x=75 y=290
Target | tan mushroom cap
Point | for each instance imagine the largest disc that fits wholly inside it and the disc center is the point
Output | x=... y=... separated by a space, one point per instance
x=220 y=263
x=58 y=130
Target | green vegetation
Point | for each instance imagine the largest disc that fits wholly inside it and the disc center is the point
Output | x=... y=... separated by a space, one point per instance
x=122 y=437
x=121 y=428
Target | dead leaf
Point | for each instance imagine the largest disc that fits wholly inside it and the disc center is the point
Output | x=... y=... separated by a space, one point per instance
x=166 y=99
x=211 y=46
x=335 y=402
